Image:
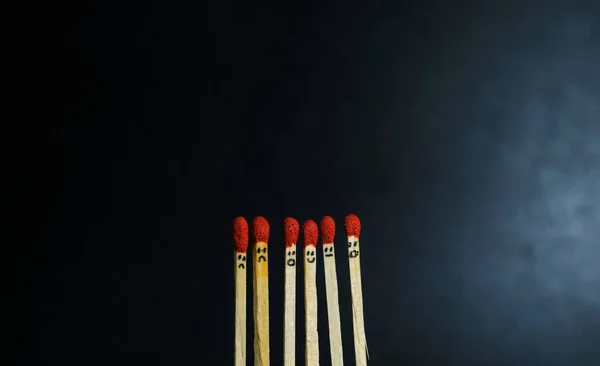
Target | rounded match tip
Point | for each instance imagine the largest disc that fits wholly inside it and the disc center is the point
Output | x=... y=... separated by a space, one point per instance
x=327 y=230
x=291 y=228
x=311 y=233
x=352 y=224
x=261 y=229
x=240 y=234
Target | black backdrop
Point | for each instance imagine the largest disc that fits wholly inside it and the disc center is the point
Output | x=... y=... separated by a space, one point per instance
x=466 y=135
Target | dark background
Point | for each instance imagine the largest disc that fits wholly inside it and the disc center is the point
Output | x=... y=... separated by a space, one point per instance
x=466 y=135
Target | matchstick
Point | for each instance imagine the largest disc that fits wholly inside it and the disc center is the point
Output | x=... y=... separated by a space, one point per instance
x=331 y=288
x=311 y=235
x=290 y=230
x=352 y=224
x=260 y=262
x=240 y=240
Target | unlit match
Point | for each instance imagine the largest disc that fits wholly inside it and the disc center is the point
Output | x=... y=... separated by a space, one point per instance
x=290 y=230
x=331 y=289
x=311 y=235
x=240 y=241
x=261 y=231
x=352 y=225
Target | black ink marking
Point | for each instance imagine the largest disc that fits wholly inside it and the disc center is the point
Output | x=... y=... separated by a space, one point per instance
x=353 y=254
x=244 y=258
x=329 y=255
x=291 y=262
x=349 y=244
x=239 y=256
x=355 y=243
x=241 y=265
x=311 y=259
x=294 y=252
x=262 y=258
x=264 y=250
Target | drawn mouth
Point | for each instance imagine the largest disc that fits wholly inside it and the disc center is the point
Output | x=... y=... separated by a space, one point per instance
x=310 y=260
x=262 y=258
x=354 y=254
x=291 y=262
x=241 y=265
x=329 y=255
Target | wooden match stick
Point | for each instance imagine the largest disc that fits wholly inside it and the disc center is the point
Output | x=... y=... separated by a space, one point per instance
x=311 y=235
x=240 y=240
x=331 y=288
x=290 y=230
x=260 y=262
x=352 y=224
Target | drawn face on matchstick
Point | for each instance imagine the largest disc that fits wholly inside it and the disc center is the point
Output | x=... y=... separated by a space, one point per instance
x=353 y=248
x=290 y=253
x=328 y=250
x=261 y=252
x=241 y=260
x=310 y=255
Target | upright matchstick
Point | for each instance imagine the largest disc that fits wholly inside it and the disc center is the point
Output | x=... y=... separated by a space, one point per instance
x=240 y=240
x=311 y=235
x=331 y=288
x=260 y=256
x=290 y=230
x=352 y=224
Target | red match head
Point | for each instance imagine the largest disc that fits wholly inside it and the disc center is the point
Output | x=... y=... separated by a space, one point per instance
x=311 y=233
x=327 y=230
x=352 y=224
x=261 y=229
x=240 y=234
x=290 y=231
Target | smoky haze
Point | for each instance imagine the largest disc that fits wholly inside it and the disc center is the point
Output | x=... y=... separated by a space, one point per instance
x=492 y=256
x=465 y=135
x=470 y=148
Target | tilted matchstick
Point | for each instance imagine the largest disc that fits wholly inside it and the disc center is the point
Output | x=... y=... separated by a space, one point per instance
x=352 y=224
x=261 y=231
x=240 y=240
x=311 y=235
x=290 y=230
x=331 y=288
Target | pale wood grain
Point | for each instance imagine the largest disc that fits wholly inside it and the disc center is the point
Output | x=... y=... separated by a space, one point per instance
x=289 y=318
x=310 y=308
x=360 y=343
x=333 y=307
x=240 y=308
x=261 y=306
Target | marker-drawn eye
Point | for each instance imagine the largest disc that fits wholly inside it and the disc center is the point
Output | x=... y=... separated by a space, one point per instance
x=239 y=256
x=355 y=243
x=293 y=252
x=244 y=258
x=349 y=244
x=264 y=250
